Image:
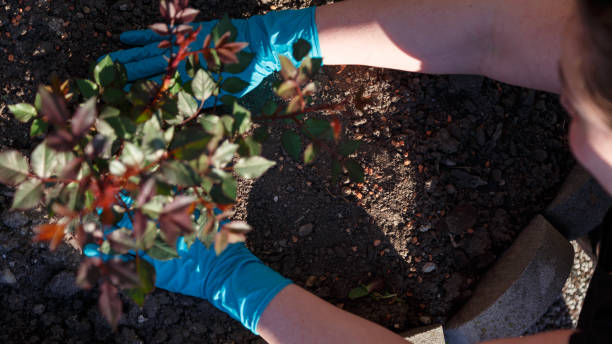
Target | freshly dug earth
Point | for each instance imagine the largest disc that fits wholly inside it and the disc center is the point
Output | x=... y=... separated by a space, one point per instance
x=455 y=167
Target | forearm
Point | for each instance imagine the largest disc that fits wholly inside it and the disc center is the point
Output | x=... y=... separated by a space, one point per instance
x=515 y=41
x=297 y=316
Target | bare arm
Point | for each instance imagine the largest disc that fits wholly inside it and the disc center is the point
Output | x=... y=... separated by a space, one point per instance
x=297 y=316
x=515 y=41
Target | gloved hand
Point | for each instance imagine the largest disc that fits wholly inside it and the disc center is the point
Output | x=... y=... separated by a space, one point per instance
x=267 y=35
x=235 y=282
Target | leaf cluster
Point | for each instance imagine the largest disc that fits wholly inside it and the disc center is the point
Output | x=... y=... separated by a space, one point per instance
x=151 y=154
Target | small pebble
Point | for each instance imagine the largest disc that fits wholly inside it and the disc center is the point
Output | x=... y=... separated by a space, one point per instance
x=39 y=309
x=305 y=230
x=429 y=267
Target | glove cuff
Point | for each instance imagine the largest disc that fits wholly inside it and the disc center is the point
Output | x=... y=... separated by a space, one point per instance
x=275 y=33
x=242 y=286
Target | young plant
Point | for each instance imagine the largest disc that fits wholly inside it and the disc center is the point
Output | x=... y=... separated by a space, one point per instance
x=128 y=170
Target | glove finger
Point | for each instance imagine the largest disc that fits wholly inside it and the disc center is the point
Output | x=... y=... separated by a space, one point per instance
x=140 y=37
x=146 y=68
x=138 y=54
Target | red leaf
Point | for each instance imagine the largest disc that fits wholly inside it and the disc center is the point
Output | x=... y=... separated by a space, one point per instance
x=84 y=117
x=71 y=170
x=206 y=42
x=227 y=56
x=160 y=29
x=146 y=192
x=175 y=218
x=164 y=45
x=52 y=232
x=89 y=272
x=183 y=29
x=235 y=46
x=337 y=127
x=163 y=8
x=188 y=15
x=139 y=225
x=61 y=140
x=223 y=39
x=53 y=107
x=123 y=274
x=110 y=304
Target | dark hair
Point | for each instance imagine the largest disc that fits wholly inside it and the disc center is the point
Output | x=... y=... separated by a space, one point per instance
x=596 y=17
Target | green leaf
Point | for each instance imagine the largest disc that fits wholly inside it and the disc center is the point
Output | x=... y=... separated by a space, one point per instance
x=191 y=66
x=224 y=154
x=137 y=295
x=358 y=292
x=189 y=143
x=252 y=167
x=294 y=105
x=104 y=71
x=43 y=160
x=230 y=187
x=187 y=105
x=300 y=49
x=292 y=143
x=87 y=87
x=228 y=123
x=28 y=195
x=355 y=170
x=260 y=134
x=146 y=274
x=39 y=127
x=109 y=111
x=244 y=60
x=224 y=25
x=234 y=85
x=228 y=100
x=153 y=142
x=288 y=70
x=249 y=147
x=178 y=173
x=348 y=147
x=162 y=251
x=132 y=155
x=24 y=112
x=13 y=167
x=309 y=154
x=37 y=101
x=155 y=206
x=242 y=119
x=269 y=108
x=113 y=95
x=200 y=164
x=123 y=126
x=203 y=85
x=115 y=167
x=319 y=128
x=212 y=124
x=287 y=90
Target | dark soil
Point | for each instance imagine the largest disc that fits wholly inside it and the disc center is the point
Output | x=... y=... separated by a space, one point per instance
x=455 y=167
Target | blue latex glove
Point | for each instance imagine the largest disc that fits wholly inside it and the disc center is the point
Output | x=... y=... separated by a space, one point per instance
x=267 y=35
x=235 y=282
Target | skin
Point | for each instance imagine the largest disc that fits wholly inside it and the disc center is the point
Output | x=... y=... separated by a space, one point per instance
x=514 y=41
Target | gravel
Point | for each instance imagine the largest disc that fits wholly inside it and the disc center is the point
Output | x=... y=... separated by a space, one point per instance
x=565 y=311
